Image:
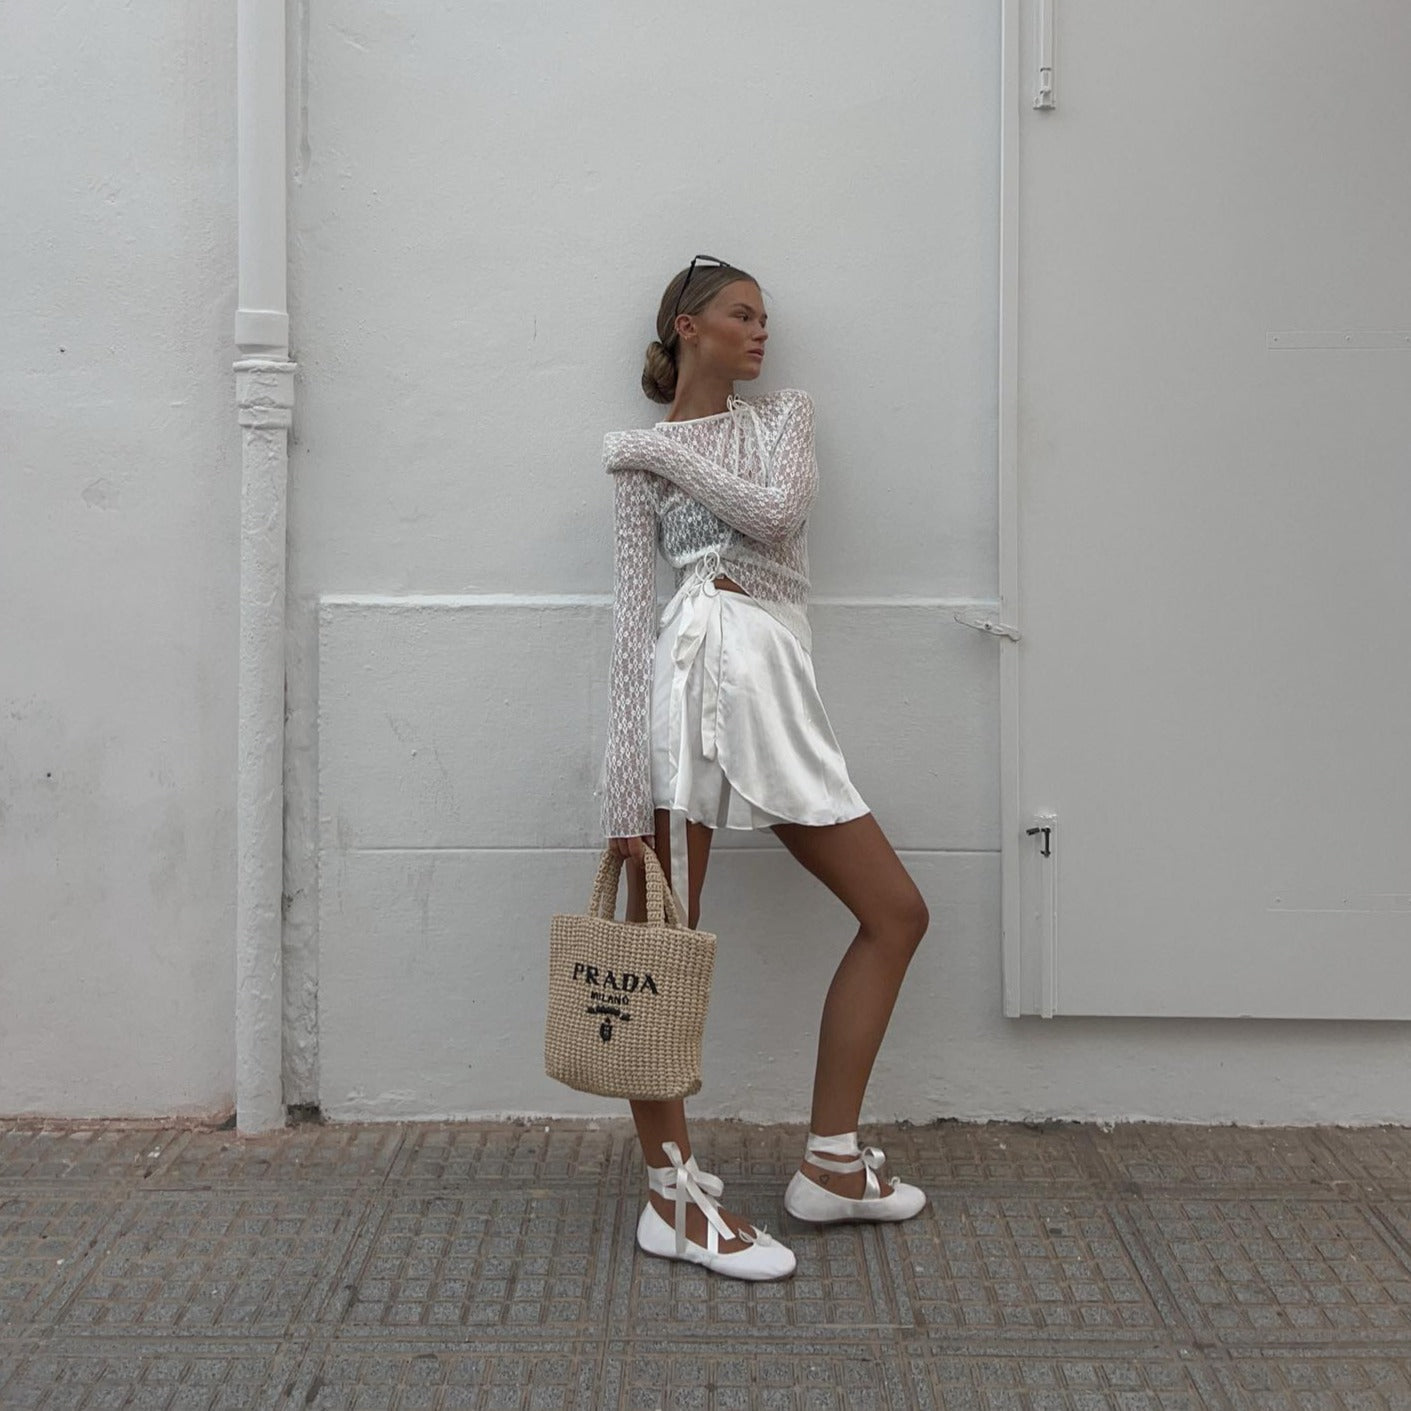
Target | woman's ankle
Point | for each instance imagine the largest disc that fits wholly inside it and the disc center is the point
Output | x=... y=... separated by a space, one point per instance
x=833 y=1149
x=658 y=1122
x=697 y=1230
x=662 y=1162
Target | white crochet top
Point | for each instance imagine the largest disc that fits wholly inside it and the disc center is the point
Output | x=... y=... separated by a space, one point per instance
x=739 y=485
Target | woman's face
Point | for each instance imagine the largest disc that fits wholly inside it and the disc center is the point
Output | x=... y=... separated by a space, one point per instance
x=730 y=331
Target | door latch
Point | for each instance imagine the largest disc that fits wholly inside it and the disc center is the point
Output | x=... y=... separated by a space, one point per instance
x=973 y=618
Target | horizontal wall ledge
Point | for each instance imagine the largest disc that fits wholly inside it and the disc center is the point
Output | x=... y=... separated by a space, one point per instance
x=480 y=720
x=494 y=600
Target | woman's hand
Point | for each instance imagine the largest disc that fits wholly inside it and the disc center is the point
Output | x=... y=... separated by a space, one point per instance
x=630 y=847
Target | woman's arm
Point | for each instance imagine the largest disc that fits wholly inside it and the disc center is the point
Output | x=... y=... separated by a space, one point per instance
x=766 y=512
x=627 y=804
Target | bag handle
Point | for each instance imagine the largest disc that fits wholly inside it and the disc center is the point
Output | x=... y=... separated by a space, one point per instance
x=662 y=904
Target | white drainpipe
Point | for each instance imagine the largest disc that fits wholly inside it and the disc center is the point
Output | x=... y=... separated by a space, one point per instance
x=264 y=389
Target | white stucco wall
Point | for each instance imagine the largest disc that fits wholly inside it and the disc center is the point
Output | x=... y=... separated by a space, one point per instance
x=119 y=555
x=486 y=207
x=485 y=204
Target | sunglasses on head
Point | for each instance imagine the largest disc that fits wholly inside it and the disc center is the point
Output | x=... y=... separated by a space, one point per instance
x=707 y=259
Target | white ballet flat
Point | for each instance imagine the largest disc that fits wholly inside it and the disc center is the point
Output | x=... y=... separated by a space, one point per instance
x=763 y=1256
x=805 y=1199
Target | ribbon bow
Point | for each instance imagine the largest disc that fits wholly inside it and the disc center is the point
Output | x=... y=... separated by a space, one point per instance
x=700 y=1186
x=874 y=1159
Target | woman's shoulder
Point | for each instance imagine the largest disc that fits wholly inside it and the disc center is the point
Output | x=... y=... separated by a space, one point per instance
x=781 y=401
x=781 y=395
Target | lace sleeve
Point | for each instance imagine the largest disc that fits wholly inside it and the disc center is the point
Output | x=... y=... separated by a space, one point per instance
x=627 y=801
x=768 y=512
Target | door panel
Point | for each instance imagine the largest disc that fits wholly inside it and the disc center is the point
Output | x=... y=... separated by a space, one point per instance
x=1206 y=416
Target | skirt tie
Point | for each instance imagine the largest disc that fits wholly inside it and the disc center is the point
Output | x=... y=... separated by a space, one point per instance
x=697 y=632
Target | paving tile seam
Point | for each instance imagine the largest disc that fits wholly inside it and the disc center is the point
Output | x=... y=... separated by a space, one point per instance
x=257 y=1332
x=1268 y=1347
x=1321 y=1136
x=785 y=1332
x=860 y=1349
x=1011 y=1345
x=741 y=1335
x=610 y=1240
x=782 y=1333
x=1035 y=1190
x=314 y=1187
x=342 y=1345
x=1306 y=1194
x=76 y=1187
x=1340 y=1352
x=889 y=1295
x=1400 y=1242
x=81 y=1345
x=1157 y=1343
x=54 y=1303
x=911 y=1341
x=352 y=1265
x=1058 y=1339
x=399 y=1146
x=1169 y=1338
x=1211 y=1386
x=467 y=1188
x=1089 y=1157
x=320 y=1190
x=1158 y=1289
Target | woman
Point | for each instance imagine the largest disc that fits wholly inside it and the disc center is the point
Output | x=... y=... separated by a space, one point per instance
x=716 y=721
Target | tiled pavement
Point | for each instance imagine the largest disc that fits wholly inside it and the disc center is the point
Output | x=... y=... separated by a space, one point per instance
x=493 y=1266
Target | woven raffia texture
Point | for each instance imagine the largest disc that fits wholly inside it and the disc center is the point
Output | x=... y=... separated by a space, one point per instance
x=740 y=482
x=627 y=1000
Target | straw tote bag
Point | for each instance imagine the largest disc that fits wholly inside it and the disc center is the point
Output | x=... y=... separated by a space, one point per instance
x=628 y=999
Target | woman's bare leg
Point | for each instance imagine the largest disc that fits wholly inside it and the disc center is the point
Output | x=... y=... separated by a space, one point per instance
x=858 y=865
x=659 y=1122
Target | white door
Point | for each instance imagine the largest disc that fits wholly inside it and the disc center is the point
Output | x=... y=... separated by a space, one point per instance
x=1206 y=509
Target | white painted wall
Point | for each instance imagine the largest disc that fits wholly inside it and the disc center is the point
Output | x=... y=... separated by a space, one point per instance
x=486 y=209
x=485 y=204
x=119 y=515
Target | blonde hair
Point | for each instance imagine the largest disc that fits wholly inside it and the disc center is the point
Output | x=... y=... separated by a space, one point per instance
x=660 y=368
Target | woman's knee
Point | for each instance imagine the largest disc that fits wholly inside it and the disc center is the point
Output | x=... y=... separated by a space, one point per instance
x=921 y=917
x=902 y=916
x=915 y=916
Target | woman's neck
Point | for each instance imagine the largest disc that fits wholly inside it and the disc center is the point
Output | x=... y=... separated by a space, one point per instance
x=701 y=397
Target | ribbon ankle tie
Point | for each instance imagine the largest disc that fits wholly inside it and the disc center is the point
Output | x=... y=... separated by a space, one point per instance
x=825 y=1151
x=842 y=1144
x=697 y=1185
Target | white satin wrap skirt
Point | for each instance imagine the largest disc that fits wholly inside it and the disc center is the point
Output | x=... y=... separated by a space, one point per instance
x=739 y=735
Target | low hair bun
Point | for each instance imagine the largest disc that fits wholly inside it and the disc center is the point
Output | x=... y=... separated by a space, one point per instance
x=659 y=372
